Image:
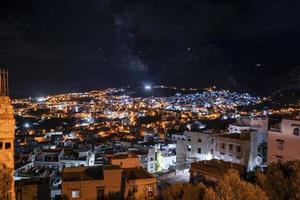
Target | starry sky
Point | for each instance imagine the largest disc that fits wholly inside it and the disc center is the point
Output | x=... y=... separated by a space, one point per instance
x=53 y=46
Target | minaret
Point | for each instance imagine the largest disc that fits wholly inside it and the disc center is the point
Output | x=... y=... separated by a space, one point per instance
x=7 y=136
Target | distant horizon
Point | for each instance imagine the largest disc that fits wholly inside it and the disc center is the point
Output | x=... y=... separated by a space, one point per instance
x=134 y=87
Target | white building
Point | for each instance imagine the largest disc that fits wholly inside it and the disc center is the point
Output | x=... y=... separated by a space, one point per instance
x=194 y=146
x=284 y=141
x=260 y=124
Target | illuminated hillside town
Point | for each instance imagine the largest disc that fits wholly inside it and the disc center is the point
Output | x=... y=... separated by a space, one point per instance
x=149 y=100
x=114 y=144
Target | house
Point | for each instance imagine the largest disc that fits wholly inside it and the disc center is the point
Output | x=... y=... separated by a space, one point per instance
x=284 y=141
x=97 y=182
x=212 y=170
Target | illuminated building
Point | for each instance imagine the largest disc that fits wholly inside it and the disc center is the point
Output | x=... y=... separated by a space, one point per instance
x=108 y=182
x=194 y=146
x=7 y=135
x=91 y=182
x=284 y=141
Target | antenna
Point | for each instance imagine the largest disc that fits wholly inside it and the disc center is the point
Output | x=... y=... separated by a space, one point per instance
x=3 y=82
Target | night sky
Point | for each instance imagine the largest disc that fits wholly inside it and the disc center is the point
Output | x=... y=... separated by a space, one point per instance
x=53 y=46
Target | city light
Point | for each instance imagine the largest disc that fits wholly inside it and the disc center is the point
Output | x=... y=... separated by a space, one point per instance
x=148 y=87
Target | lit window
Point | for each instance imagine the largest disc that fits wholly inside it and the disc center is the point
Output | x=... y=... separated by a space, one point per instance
x=189 y=148
x=150 y=191
x=7 y=145
x=296 y=131
x=75 y=193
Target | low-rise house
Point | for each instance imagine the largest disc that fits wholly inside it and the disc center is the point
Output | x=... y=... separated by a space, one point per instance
x=139 y=184
x=97 y=182
x=107 y=182
x=212 y=170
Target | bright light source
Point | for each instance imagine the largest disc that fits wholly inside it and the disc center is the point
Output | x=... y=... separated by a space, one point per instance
x=148 y=87
x=26 y=125
x=40 y=99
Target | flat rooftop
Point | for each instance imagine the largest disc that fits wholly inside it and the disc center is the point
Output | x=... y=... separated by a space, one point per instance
x=236 y=136
x=137 y=173
x=82 y=173
x=124 y=156
x=217 y=167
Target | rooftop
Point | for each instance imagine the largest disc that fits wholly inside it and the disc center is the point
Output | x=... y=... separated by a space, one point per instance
x=237 y=136
x=83 y=173
x=124 y=156
x=216 y=167
x=137 y=173
x=86 y=173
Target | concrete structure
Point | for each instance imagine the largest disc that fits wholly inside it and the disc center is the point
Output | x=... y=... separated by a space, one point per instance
x=139 y=184
x=258 y=129
x=60 y=158
x=233 y=148
x=7 y=135
x=32 y=189
x=212 y=170
x=260 y=124
x=91 y=182
x=125 y=161
x=165 y=160
x=107 y=182
x=284 y=141
x=194 y=146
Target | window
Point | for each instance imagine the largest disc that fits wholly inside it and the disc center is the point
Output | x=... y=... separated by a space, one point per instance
x=75 y=193
x=296 y=131
x=231 y=147
x=212 y=141
x=150 y=191
x=280 y=144
x=223 y=145
x=7 y=145
x=189 y=139
x=100 y=193
x=199 y=140
x=189 y=148
x=1 y=145
x=199 y=150
x=238 y=149
x=134 y=189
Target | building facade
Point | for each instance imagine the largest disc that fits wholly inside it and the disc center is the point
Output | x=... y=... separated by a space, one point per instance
x=194 y=146
x=284 y=141
x=7 y=135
